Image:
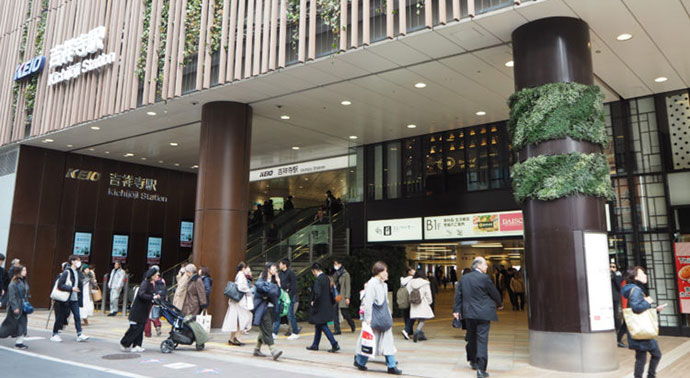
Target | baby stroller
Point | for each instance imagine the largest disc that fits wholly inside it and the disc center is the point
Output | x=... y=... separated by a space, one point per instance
x=182 y=329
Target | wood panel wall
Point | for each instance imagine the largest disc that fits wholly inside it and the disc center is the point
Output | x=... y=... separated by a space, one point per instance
x=254 y=41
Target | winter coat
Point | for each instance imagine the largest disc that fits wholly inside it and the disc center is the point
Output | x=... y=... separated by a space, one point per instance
x=14 y=325
x=180 y=291
x=288 y=282
x=377 y=292
x=422 y=310
x=117 y=279
x=74 y=281
x=195 y=298
x=208 y=282
x=266 y=297
x=476 y=297
x=636 y=302
x=239 y=314
x=517 y=285
x=344 y=287
x=141 y=304
x=322 y=301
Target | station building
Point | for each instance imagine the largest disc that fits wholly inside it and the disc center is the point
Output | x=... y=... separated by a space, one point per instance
x=148 y=131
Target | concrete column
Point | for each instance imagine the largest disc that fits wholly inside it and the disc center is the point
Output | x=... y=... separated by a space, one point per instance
x=220 y=235
x=554 y=50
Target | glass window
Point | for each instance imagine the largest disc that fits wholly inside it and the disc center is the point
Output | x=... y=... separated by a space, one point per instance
x=477 y=158
x=645 y=135
x=412 y=167
x=356 y=175
x=455 y=160
x=378 y=172
x=393 y=170
x=433 y=163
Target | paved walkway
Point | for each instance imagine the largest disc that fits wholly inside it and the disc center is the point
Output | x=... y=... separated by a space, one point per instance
x=443 y=355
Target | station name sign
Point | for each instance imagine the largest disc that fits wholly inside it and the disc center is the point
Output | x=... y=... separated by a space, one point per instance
x=322 y=165
x=78 y=47
x=29 y=68
x=122 y=185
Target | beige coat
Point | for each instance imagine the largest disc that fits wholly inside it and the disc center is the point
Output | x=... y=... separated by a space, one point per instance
x=422 y=310
x=195 y=296
x=180 y=291
x=377 y=292
x=239 y=315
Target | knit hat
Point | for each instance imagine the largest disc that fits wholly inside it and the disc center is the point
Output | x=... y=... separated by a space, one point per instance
x=150 y=273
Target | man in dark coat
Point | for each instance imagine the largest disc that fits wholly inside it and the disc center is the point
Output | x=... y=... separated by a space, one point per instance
x=476 y=301
x=322 y=309
x=434 y=288
x=288 y=282
x=71 y=281
x=139 y=314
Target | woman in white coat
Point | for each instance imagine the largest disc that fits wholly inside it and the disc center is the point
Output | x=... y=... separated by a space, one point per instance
x=420 y=310
x=376 y=291
x=89 y=282
x=238 y=318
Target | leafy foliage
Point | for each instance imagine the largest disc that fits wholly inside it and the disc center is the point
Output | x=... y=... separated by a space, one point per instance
x=216 y=26
x=163 y=29
x=549 y=177
x=556 y=111
x=192 y=27
x=144 y=42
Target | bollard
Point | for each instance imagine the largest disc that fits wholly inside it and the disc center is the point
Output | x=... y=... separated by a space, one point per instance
x=106 y=293
x=126 y=295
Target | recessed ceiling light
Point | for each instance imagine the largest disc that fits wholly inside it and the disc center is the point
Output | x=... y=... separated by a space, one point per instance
x=195 y=166
x=353 y=137
x=510 y=63
x=70 y=146
x=177 y=164
x=95 y=128
x=285 y=117
x=660 y=79
x=143 y=158
x=48 y=140
x=420 y=85
x=295 y=148
x=480 y=113
x=92 y=149
x=301 y=187
x=346 y=102
x=107 y=152
x=411 y=126
x=174 y=144
x=129 y=154
x=151 y=113
x=624 y=37
x=161 y=161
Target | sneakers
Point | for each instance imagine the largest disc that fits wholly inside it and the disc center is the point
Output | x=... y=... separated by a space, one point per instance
x=125 y=349
x=276 y=354
x=138 y=349
x=294 y=336
x=21 y=346
x=257 y=353
x=56 y=338
x=158 y=331
x=81 y=338
x=112 y=314
x=394 y=371
x=360 y=367
x=405 y=335
x=275 y=336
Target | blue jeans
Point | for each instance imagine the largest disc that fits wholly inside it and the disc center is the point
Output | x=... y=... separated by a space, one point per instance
x=362 y=360
x=291 y=319
x=318 y=328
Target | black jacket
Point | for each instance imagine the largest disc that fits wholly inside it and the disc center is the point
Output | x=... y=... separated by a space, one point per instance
x=322 y=307
x=616 y=280
x=77 y=281
x=288 y=282
x=476 y=297
x=15 y=325
x=142 y=303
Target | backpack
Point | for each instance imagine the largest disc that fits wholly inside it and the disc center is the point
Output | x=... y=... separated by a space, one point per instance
x=403 y=298
x=415 y=297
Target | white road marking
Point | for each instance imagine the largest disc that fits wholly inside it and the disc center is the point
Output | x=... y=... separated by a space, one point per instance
x=79 y=364
x=33 y=338
x=179 y=365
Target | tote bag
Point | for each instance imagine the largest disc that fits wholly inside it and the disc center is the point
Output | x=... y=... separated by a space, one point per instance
x=204 y=319
x=59 y=295
x=381 y=319
x=642 y=326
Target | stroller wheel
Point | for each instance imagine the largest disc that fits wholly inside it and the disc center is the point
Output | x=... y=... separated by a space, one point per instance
x=167 y=346
x=200 y=346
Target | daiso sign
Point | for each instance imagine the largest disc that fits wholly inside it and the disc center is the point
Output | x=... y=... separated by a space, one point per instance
x=511 y=221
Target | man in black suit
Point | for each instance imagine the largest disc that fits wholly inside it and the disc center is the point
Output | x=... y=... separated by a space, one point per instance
x=476 y=300
x=322 y=309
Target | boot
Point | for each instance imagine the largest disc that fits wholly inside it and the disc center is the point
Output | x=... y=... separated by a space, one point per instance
x=276 y=354
x=421 y=336
x=257 y=353
x=158 y=331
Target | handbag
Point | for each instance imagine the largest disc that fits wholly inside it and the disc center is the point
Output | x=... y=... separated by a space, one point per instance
x=96 y=294
x=155 y=312
x=27 y=308
x=204 y=319
x=59 y=295
x=642 y=326
x=232 y=292
x=381 y=319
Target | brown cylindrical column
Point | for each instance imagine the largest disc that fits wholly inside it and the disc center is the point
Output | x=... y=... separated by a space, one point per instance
x=557 y=50
x=220 y=235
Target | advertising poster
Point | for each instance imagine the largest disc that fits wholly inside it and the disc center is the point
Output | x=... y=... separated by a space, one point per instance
x=186 y=234
x=120 y=243
x=683 y=274
x=598 y=281
x=153 y=256
x=82 y=245
x=479 y=225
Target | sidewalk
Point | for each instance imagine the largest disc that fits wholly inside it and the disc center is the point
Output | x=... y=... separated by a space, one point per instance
x=443 y=355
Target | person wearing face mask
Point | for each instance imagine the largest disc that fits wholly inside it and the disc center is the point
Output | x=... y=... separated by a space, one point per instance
x=343 y=284
x=239 y=316
x=71 y=281
x=639 y=302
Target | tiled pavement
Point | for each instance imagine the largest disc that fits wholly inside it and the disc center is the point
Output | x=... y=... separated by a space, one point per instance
x=443 y=355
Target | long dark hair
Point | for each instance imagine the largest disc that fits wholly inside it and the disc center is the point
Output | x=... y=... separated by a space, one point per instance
x=17 y=272
x=264 y=274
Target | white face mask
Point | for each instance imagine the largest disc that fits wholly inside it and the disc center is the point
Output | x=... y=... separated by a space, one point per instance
x=77 y=264
x=336 y=267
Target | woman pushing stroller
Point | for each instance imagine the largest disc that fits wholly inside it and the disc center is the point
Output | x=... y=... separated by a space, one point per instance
x=139 y=314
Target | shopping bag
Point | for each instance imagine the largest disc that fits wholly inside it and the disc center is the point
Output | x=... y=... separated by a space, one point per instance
x=367 y=341
x=204 y=319
x=96 y=294
x=643 y=326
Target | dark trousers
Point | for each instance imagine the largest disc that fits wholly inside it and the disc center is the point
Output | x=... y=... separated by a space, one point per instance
x=520 y=297
x=318 y=328
x=266 y=327
x=513 y=300
x=622 y=331
x=641 y=360
x=65 y=309
x=477 y=347
x=134 y=335
x=346 y=315
x=406 y=319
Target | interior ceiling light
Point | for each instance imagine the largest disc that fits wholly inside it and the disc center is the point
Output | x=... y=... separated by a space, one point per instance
x=195 y=166
x=480 y=113
x=92 y=149
x=346 y=102
x=660 y=79
x=129 y=154
x=48 y=140
x=420 y=85
x=514 y=248
x=177 y=164
x=70 y=146
x=151 y=113
x=95 y=128
x=143 y=158
x=488 y=245
x=510 y=63
x=411 y=126
x=174 y=144
x=624 y=37
x=295 y=148
x=107 y=152
x=353 y=137
x=161 y=161
x=285 y=117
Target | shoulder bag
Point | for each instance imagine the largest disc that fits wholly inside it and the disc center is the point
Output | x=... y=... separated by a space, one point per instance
x=642 y=326
x=381 y=319
x=59 y=295
x=27 y=308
